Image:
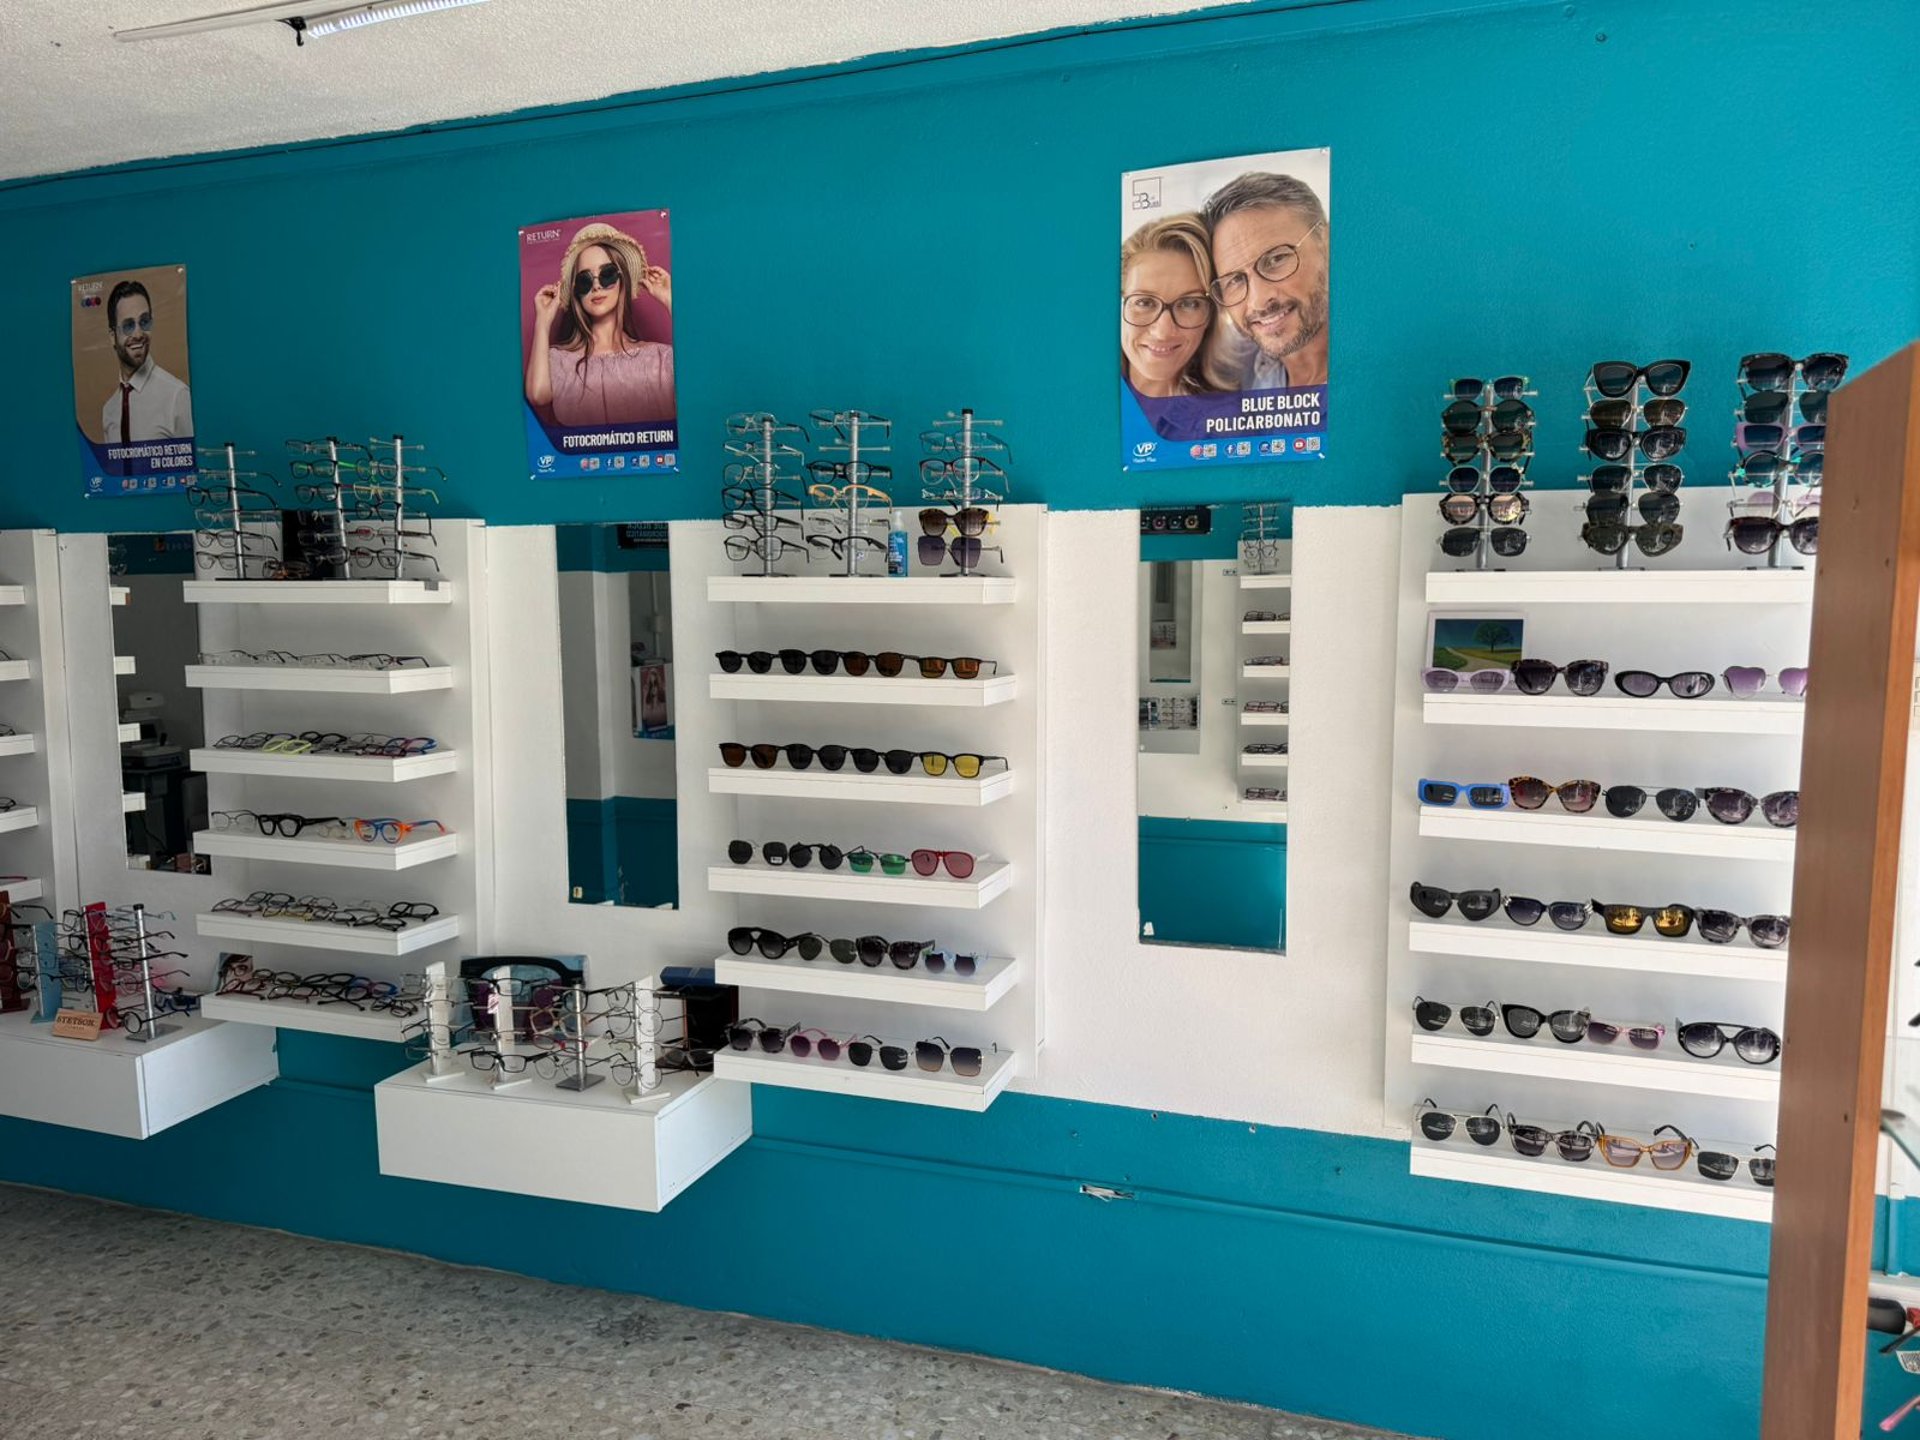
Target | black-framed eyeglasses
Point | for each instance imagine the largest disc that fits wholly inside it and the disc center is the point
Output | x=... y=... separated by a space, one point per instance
x=1190 y=312
x=1275 y=265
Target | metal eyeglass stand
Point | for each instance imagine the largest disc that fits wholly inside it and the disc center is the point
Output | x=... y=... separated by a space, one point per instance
x=970 y=447
x=153 y=1029
x=1783 y=473
x=1260 y=526
x=763 y=450
x=1636 y=488
x=1484 y=462
x=573 y=1031
x=848 y=425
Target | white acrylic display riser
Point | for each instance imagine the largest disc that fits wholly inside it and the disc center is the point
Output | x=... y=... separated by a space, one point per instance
x=862 y=590
x=593 y=1147
x=864 y=690
x=351 y=854
x=880 y=789
x=317 y=592
x=20 y=892
x=1459 y=1159
x=118 y=1086
x=1265 y=672
x=18 y=744
x=1573 y=608
x=345 y=1020
x=16 y=669
x=39 y=831
x=359 y=769
x=1268 y=719
x=990 y=879
x=322 y=935
x=1264 y=762
x=13 y=594
x=320 y=680
x=945 y=1090
x=21 y=817
x=1266 y=627
x=1266 y=582
x=981 y=991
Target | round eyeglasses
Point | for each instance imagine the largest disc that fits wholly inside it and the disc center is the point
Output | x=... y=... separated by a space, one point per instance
x=1189 y=312
x=1275 y=265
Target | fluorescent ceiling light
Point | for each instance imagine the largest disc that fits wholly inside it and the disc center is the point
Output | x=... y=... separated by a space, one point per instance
x=307 y=17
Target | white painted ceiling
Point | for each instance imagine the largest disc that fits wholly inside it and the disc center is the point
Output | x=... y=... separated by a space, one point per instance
x=71 y=96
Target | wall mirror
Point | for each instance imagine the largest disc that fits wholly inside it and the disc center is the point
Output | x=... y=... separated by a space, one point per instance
x=616 y=680
x=1213 y=653
x=156 y=635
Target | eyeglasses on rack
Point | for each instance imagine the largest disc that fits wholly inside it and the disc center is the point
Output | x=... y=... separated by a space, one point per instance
x=966 y=765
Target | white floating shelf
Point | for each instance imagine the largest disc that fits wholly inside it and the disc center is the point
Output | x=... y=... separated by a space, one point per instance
x=596 y=1147
x=1594 y=948
x=21 y=891
x=20 y=744
x=118 y=1086
x=917 y=788
x=13 y=594
x=342 y=1019
x=1274 y=812
x=322 y=935
x=1499 y=1164
x=354 y=854
x=1266 y=582
x=1710 y=716
x=989 y=880
x=116 y=594
x=317 y=592
x=1264 y=762
x=21 y=817
x=16 y=669
x=367 y=769
x=1700 y=836
x=1266 y=672
x=1545 y=1058
x=1266 y=627
x=128 y=733
x=132 y=802
x=861 y=590
x=1265 y=717
x=123 y=665
x=828 y=977
x=912 y=1085
x=865 y=689
x=316 y=679
x=1621 y=587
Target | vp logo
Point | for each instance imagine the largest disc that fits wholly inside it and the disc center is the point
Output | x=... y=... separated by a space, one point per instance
x=1143 y=449
x=546 y=462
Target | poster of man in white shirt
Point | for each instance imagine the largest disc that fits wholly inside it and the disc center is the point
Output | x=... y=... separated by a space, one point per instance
x=132 y=401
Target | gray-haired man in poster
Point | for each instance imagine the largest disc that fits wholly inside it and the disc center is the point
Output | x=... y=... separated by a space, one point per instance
x=148 y=403
x=1270 y=253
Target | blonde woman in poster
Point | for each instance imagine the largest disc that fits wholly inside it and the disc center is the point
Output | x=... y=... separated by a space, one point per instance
x=587 y=363
x=1167 y=314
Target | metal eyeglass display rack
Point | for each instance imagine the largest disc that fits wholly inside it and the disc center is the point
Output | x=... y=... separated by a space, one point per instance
x=1485 y=462
x=1787 y=471
x=340 y=459
x=1636 y=488
x=853 y=434
x=756 y=438
x=964 y=447
x=1261 y=525
x=233 y=488
x=389 y=470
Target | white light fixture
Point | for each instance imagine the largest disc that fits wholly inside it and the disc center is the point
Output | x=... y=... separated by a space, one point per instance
x=304 y=17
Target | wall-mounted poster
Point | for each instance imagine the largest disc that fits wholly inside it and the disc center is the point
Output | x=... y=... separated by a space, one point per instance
x=1223 y=311
x=132 y=404
x=596 y=335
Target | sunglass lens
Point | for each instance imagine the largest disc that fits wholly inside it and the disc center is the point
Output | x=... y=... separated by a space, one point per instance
x=1436 y=1124
x=1677 y=804
x=1584 y=677
x=1431 y=1014
x=1463 y=479
x=1700 y=1040
x=1479 y=904
x=966 y=1061
x=1568 y=1026
x=1640 y=684
x=1429 y=900
x=1529 y=1140
x=1523 y=1021
x=740 y=940
x=739 y=851
x=1757 y=1046
x=1761 y=1170
x=1534 y=677
x=1782 y=809
x=1574 y=1145
x=1579 y=796
x=1569 y=914
x=894 y=1057
x=1769 y=932
x=1673 y=921
x=1667 y=377
x=1729 y=807
x=929 y=1056
x=1716 y=1166
x=733 y=755
x=1691 y=684
x=860 y=1052
x=1744 y=681
x=1522 y=911
x=1624 y=801
x=1438 y=792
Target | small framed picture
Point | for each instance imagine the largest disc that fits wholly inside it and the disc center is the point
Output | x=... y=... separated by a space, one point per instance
x=1474 y=642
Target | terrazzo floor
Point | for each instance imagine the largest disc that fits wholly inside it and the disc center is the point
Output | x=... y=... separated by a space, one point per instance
x=183 y=1329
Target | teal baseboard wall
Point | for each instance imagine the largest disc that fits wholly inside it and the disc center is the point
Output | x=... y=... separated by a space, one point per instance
x=1291 y=1268
x=625 y=849
x=1214 y=882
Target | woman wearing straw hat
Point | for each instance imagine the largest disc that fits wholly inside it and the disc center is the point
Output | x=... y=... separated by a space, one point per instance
x=603 y=373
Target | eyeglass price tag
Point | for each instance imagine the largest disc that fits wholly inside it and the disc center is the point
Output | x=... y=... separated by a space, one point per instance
x=77 y=1025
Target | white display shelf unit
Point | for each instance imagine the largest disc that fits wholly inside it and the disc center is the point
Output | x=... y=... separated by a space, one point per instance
x=1266 y=627
x=18 y=744
x=945 y=1090
x=1268 y=718
x=323 y=935
x=343 y=1019
x=13 y=594
x=349 y=854
x=16 y=670
x=1595 y=949
x=20 y=892
x=1264 y=762
x=360 y=769
x=1667 y=1069
x=1266 y=582
x=1620 y=587
x=1265 y=672
x=321 y=680
x=124 y=665
x=991 y=982
x=862 y=590
x=865 y=689
x=917 y=788
x=40 y=777
x=1273 y=812
x=990 y=880
x=118 y=1086
x=593 y=1147
x=1685 y=1190
x=1711 y=715
x=21 y=817
x=1701 y=836
x=318 y=592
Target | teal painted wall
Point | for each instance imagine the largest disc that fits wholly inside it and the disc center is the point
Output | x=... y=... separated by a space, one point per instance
x=1516 y=185
x=624 y=848
x=1214 y=882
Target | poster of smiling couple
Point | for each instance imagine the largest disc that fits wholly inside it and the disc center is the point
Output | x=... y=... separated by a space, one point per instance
x=1223 y=311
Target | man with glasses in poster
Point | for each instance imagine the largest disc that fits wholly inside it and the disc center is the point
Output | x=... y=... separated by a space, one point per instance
x=1270 y=261
x=148 y=403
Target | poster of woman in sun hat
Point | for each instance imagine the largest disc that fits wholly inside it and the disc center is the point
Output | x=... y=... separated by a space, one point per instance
x=596 y=331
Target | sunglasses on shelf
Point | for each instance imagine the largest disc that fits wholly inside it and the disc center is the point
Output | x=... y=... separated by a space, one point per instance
x=1719 y=1165
x=1747 y=681
x=1505 y=387
x=1662 y=442
x=887 y=663
x=1469 y=417
x=1663 y=477
x=1765 y=467
x=1771 y=370
x=1437 y=1124
x=1781 y=809
x=1751 y=437
x=1514 y=447
x=1705 y=1039
x=1506 y=542
x=779 y=852
x=1624 y=1152
x=1536 y=677
x=1434 y=902
x=1620 y=414
x=1487 y=796
x=1509 y=509
x=1644 y=684
x=1500 y=479
x=1772 y=407
x=1757 y=534
x=1611 y=538
x=1617 y=378
x=1656 y=507
x=745 y=939
x=872 y=950
x=1439 y=680
x=833 y=757
x=1532 y=1141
